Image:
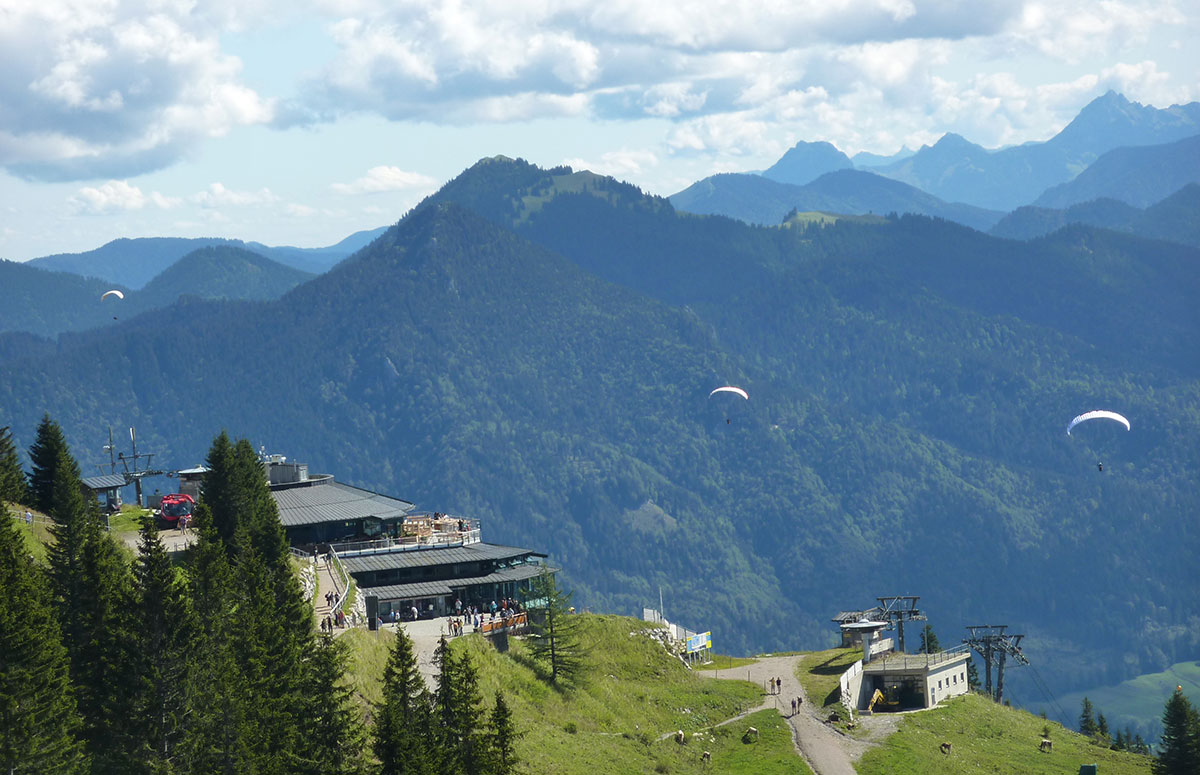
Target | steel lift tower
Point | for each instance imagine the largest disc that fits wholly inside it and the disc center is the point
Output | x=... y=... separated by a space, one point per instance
x=991 y=641
x=901 y=609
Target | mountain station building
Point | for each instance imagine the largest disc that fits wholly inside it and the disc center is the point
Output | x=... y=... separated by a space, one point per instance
x=404 y=558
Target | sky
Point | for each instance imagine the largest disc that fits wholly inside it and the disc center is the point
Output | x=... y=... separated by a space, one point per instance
x=299 y=122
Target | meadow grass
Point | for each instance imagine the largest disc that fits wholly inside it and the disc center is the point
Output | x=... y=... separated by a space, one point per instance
x=35 y=536
x=619 y=715
x=819 y=672
x=725 y=662
x=1139 y=700
x=989 y=738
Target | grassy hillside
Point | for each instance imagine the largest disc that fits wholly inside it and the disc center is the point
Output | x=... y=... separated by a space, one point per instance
x=633 y=695
x=989 y=738
x=1138 y=703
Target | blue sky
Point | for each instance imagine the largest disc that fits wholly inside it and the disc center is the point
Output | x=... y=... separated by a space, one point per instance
x=301 y=122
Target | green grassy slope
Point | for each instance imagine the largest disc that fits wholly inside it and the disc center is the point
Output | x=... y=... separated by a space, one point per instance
x=1138 y=703
x=619 y=718
x=989 y=738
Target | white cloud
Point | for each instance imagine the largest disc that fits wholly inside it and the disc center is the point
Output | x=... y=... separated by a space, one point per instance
x=217 y=196
x=618 y=164
x=118 y=196
x=93 y=89
x=385 y=178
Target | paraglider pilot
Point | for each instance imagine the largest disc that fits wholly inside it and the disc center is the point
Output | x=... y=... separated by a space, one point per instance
x=1100 y=466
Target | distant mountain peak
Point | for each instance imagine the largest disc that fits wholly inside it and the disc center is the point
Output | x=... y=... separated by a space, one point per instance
x=804 y=162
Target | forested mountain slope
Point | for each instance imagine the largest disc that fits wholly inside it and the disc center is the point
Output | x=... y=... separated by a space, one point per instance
x=1137 y=176
x=758 y=199
x=1175 y=219
x=48 y=303
x=547 y=368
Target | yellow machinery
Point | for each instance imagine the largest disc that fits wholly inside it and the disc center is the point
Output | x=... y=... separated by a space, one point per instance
x=890 y=700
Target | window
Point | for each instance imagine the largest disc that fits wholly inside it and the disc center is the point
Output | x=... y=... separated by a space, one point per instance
x=939 y=683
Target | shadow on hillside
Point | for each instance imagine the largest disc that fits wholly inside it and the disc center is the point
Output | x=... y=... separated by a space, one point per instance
x=831 y=666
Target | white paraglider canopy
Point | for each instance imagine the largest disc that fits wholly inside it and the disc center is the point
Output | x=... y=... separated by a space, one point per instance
x=730 y=389
x=1099 y=414
x=113 y=292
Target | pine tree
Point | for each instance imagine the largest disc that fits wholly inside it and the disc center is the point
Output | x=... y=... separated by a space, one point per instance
x=1087 y=719
x=501 y=739
x=161 y=627
x=48 y=453
x=929 y=641
x=1102 y=730
x=13 y=487
x=39 y=723
x=554 y=637
x=403 y=722
x=461 y=742
x=1179 y=743
x=331 y=729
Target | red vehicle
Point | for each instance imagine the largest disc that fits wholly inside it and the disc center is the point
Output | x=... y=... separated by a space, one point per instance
x=175 y=506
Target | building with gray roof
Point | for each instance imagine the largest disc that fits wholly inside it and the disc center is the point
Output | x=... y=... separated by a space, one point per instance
x=405 y=558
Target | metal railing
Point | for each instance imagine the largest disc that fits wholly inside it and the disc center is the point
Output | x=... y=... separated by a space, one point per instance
x=338 y=575
x=914 y=661
x=410 y=542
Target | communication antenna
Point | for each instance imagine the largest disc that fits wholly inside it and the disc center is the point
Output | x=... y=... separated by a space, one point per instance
x=901 y=609
x=135 y=476
x=991 y=641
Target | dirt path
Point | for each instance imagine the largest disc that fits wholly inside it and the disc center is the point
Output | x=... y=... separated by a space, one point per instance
x=827 y=751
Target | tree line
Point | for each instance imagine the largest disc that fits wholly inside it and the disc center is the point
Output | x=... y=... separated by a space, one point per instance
x=116 y=665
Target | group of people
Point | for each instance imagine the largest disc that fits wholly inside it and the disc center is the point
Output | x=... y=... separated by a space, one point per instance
x=336 y=619
x=474 y=614
x=775 y=686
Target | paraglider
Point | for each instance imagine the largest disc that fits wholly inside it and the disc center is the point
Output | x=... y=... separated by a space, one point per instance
x=730 y=389
x=737 y=391
x=1099 y=414
x=113 y=292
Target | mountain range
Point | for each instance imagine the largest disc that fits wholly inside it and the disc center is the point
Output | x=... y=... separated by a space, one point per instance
x=48 y=303
x=1140 y=155
x=536 y=348
x=131 y=263
x=760 y=200
x=1176 y=218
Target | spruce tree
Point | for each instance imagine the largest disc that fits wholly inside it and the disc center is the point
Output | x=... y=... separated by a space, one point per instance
x=1179 y=743
x=100 y=646
x=161 y=627
x=271 y=664
x=39 y=724
x=554 y=636
x=70 y=516
x=1102 y=730
x=929 y=641
x=501 y=740
x=461 y=741
x=331 y=729
x=13 y=487
x=972 y=676
x=214 y=740
x=1087 y=719
x=47 y=454
x=403 y=721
